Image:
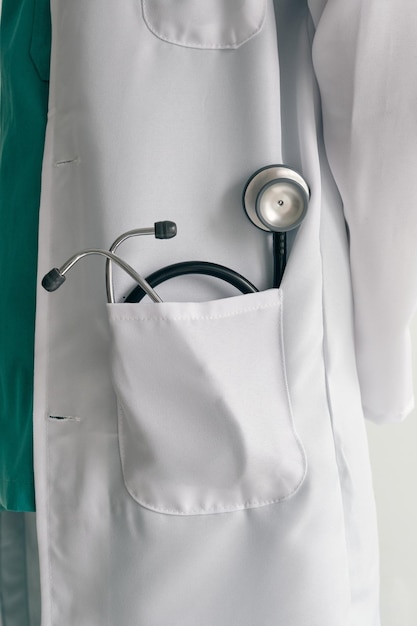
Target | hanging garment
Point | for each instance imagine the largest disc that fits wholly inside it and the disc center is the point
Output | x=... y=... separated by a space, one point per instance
x=157 y=112
x=25 y=47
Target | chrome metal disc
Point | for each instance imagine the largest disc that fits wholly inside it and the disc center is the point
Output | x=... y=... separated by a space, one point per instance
x=276 y=198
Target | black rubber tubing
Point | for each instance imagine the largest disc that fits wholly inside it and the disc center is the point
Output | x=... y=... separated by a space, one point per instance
x=193 y=267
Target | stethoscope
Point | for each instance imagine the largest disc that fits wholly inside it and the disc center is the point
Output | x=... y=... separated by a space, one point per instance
x=275 y=199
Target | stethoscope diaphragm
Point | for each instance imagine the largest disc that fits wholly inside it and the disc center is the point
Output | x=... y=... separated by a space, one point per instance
x=276 y=198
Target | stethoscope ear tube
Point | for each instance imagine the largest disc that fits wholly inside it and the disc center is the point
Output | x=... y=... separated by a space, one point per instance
x=56 y=276
x=160 y=230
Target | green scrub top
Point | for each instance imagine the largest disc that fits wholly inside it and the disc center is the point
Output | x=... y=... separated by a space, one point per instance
x=25 y=41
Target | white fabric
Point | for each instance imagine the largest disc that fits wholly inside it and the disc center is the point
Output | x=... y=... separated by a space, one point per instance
x=368 y=96
x=140 y=130
x=205 y=425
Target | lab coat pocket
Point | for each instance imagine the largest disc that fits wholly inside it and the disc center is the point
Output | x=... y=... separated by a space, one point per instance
x=205 y=422
x=207 y=24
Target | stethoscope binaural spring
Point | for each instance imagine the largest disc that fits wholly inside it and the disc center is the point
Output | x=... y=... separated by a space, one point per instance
x=275 y=199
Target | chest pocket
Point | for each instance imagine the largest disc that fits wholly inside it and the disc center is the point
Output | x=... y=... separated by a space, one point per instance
x=205 y=422
x=205 y=24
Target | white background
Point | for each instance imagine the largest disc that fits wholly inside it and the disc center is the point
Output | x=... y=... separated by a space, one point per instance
x=393 y=450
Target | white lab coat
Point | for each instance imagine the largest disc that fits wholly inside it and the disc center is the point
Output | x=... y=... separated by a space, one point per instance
x=162 y=110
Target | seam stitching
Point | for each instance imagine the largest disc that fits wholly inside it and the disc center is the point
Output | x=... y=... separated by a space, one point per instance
x=116 y=318
x=203 y=46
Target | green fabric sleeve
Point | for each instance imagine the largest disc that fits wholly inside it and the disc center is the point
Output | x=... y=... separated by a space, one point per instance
x=25 y=40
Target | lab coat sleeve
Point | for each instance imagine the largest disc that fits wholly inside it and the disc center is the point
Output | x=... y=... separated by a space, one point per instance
x=365 y=60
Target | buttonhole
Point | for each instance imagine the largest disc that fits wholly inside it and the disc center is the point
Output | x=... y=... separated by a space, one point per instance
x=65 y=418
x=67 y=162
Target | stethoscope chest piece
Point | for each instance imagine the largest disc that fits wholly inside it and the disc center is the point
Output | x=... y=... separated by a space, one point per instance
x=275 y=198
